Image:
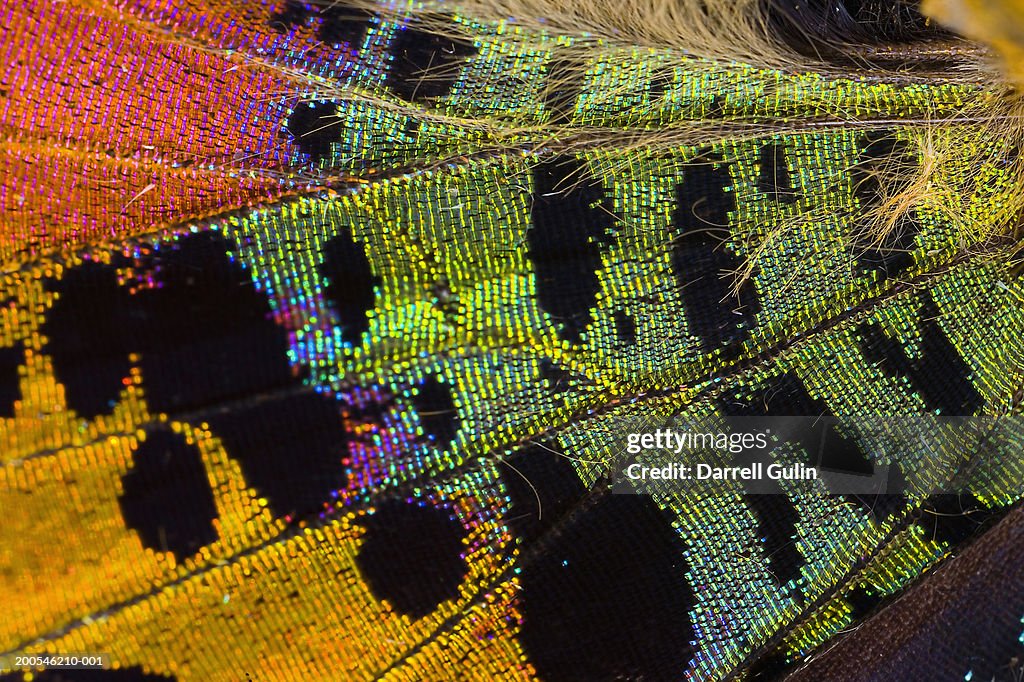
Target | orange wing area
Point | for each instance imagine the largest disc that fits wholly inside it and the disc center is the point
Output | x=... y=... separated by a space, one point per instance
x=266 y=600
x=119 y=121
x=270 y=598
x=156 y=131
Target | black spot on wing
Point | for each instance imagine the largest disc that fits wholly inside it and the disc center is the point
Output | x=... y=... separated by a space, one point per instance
x=133 y=674
x=291 y=448
x=411 y=131
x=343 y=24
x=313 y=127
x=571 y=219
x=776 y=523
x=555 y=375
x=625 y=327
x=206 y=334
x=436 y=410
x=954 y=518
x=716 y=107
x=703 y=265
x=293 y=14
x=338 y=22
x=425 y=65
x=774 y=177
x=411 y=556
x=862 y=602
x=776 y=516
x=662 y=80
x=350 y=284
x=939 y=375
x=883 y=169
x=786 y=396
x=542 y=486
x=562 y=85
x=608 y=597
x=882 y=505
x=769 y=666
x=87 y=332
x=167 y=498
x=11 y=359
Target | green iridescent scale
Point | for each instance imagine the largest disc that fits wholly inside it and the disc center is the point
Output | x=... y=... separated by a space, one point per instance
x=658 y=236
x=402 y=384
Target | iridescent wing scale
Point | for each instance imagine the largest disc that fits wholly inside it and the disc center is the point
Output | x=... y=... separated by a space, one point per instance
x=319 y=353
